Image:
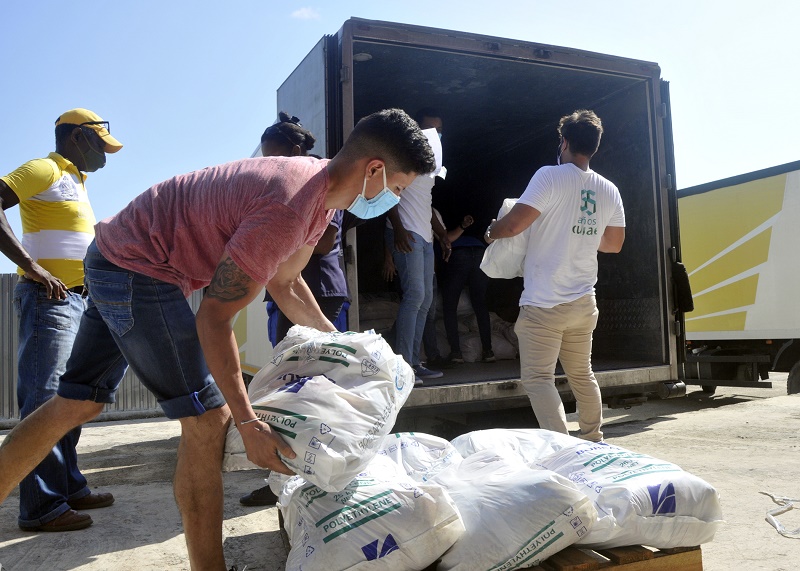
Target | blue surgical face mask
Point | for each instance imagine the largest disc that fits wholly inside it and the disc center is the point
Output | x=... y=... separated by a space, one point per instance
x=370 y=208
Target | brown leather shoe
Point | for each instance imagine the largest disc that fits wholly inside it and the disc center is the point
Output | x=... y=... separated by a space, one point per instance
x=70 y=520
x=92 y=501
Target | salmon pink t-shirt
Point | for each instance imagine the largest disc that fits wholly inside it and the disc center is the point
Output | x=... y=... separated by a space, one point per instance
x=259 y=211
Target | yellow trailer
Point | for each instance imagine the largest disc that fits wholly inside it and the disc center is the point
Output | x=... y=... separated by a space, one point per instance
x=739 y=239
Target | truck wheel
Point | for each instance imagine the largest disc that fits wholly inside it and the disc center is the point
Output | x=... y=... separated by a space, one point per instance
x=709 y=389
x=793 y=382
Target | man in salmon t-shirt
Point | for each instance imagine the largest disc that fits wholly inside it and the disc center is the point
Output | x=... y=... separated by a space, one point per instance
x=233 y=228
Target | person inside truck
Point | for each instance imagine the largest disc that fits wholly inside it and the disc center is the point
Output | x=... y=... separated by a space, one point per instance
x=430 y=344
x=409 y=236
x=235 y=228
x=463 y=269
x=50 y=300
x=573 y=213
x=323 y=274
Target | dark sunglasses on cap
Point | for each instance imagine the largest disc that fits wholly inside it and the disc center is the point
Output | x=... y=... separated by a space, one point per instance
x=104 y=124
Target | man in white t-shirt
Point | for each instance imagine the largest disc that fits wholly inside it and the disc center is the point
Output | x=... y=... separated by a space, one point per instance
x=410 y=230
x=573 y=213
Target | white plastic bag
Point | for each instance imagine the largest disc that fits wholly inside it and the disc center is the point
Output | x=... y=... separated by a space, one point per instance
x=381 y=521
x=421 y=456
x=333 y=397
x=529 y=444
x=639 y=499
x=506 y=258
x=515 y=516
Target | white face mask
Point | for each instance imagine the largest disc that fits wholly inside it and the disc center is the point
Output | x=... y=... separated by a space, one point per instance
x=560 y=152
x=365 y=208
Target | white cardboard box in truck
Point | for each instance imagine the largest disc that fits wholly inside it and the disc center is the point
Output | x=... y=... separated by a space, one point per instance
x=501 y=100
x=740 y=242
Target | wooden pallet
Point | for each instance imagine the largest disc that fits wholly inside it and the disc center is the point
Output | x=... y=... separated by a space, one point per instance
x=633 y=558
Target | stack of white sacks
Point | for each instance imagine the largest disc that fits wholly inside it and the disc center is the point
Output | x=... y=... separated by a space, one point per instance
x=493 y=499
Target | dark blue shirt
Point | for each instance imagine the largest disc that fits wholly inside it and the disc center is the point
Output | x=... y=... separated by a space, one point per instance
x=323 y=273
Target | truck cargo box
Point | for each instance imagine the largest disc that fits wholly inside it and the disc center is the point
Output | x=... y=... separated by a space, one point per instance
x=501 y=101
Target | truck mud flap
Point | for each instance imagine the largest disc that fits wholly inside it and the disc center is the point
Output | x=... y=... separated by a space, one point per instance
x=683 y=289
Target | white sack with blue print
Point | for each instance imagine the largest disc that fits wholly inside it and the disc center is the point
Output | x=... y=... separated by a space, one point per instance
x=420 y=456
x=515 y=516
x=529 y=444
x=639 y=499
x=382 y=521
x=333 y=397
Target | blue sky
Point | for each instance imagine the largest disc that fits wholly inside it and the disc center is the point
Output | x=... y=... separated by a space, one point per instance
x=190 y=84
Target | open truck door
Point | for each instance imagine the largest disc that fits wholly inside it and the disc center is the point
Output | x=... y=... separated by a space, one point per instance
x=501 y=100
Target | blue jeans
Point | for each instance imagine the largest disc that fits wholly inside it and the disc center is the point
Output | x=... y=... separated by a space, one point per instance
x=429 y=342
x=464 y=269
x=330 y=307
x=132 y=318
x=415 y=270
x=47 y=329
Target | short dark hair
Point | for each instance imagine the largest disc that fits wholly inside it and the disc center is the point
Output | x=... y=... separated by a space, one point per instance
x=288 y=130
x=394 y=137
x=63 y=133
x=582 y=130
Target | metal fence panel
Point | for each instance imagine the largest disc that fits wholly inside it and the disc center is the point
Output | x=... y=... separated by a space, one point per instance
x=131 y=396
x=8 y=347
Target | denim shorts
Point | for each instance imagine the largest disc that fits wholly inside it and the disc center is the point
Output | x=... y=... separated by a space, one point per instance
x=146 y=323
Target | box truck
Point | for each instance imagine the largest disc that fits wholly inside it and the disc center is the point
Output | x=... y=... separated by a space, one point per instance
x=501 y=101
x=740 y=250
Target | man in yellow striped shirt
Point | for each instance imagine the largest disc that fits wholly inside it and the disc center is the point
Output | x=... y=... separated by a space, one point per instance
x=57 y=228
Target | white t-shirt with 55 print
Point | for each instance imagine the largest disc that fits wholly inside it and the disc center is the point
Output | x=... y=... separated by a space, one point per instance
x=576 y=207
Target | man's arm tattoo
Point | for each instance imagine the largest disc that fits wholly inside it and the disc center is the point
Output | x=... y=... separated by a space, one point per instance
x=229 y=283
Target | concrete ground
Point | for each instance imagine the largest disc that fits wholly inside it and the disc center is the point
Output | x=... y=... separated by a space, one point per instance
x=742 y=441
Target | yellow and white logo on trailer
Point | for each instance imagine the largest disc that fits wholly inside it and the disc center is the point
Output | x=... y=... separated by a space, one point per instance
x=739 y=245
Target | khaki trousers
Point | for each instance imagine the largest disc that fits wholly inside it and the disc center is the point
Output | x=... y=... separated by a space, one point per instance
x=561 y=333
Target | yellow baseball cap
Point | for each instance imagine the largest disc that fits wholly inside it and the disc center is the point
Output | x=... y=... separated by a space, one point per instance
x=84 y=117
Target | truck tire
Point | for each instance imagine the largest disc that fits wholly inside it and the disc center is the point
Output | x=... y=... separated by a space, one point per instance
x=793 y=382
x=709 y=389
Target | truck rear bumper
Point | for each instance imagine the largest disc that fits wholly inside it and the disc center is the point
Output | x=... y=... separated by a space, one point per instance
x=508 y=393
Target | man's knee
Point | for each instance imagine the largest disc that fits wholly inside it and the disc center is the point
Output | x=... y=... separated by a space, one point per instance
x=427 y=303
x=75 y=411
x=413 y=297
x=579 y=373
x=209 y=428
x=536 y=378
